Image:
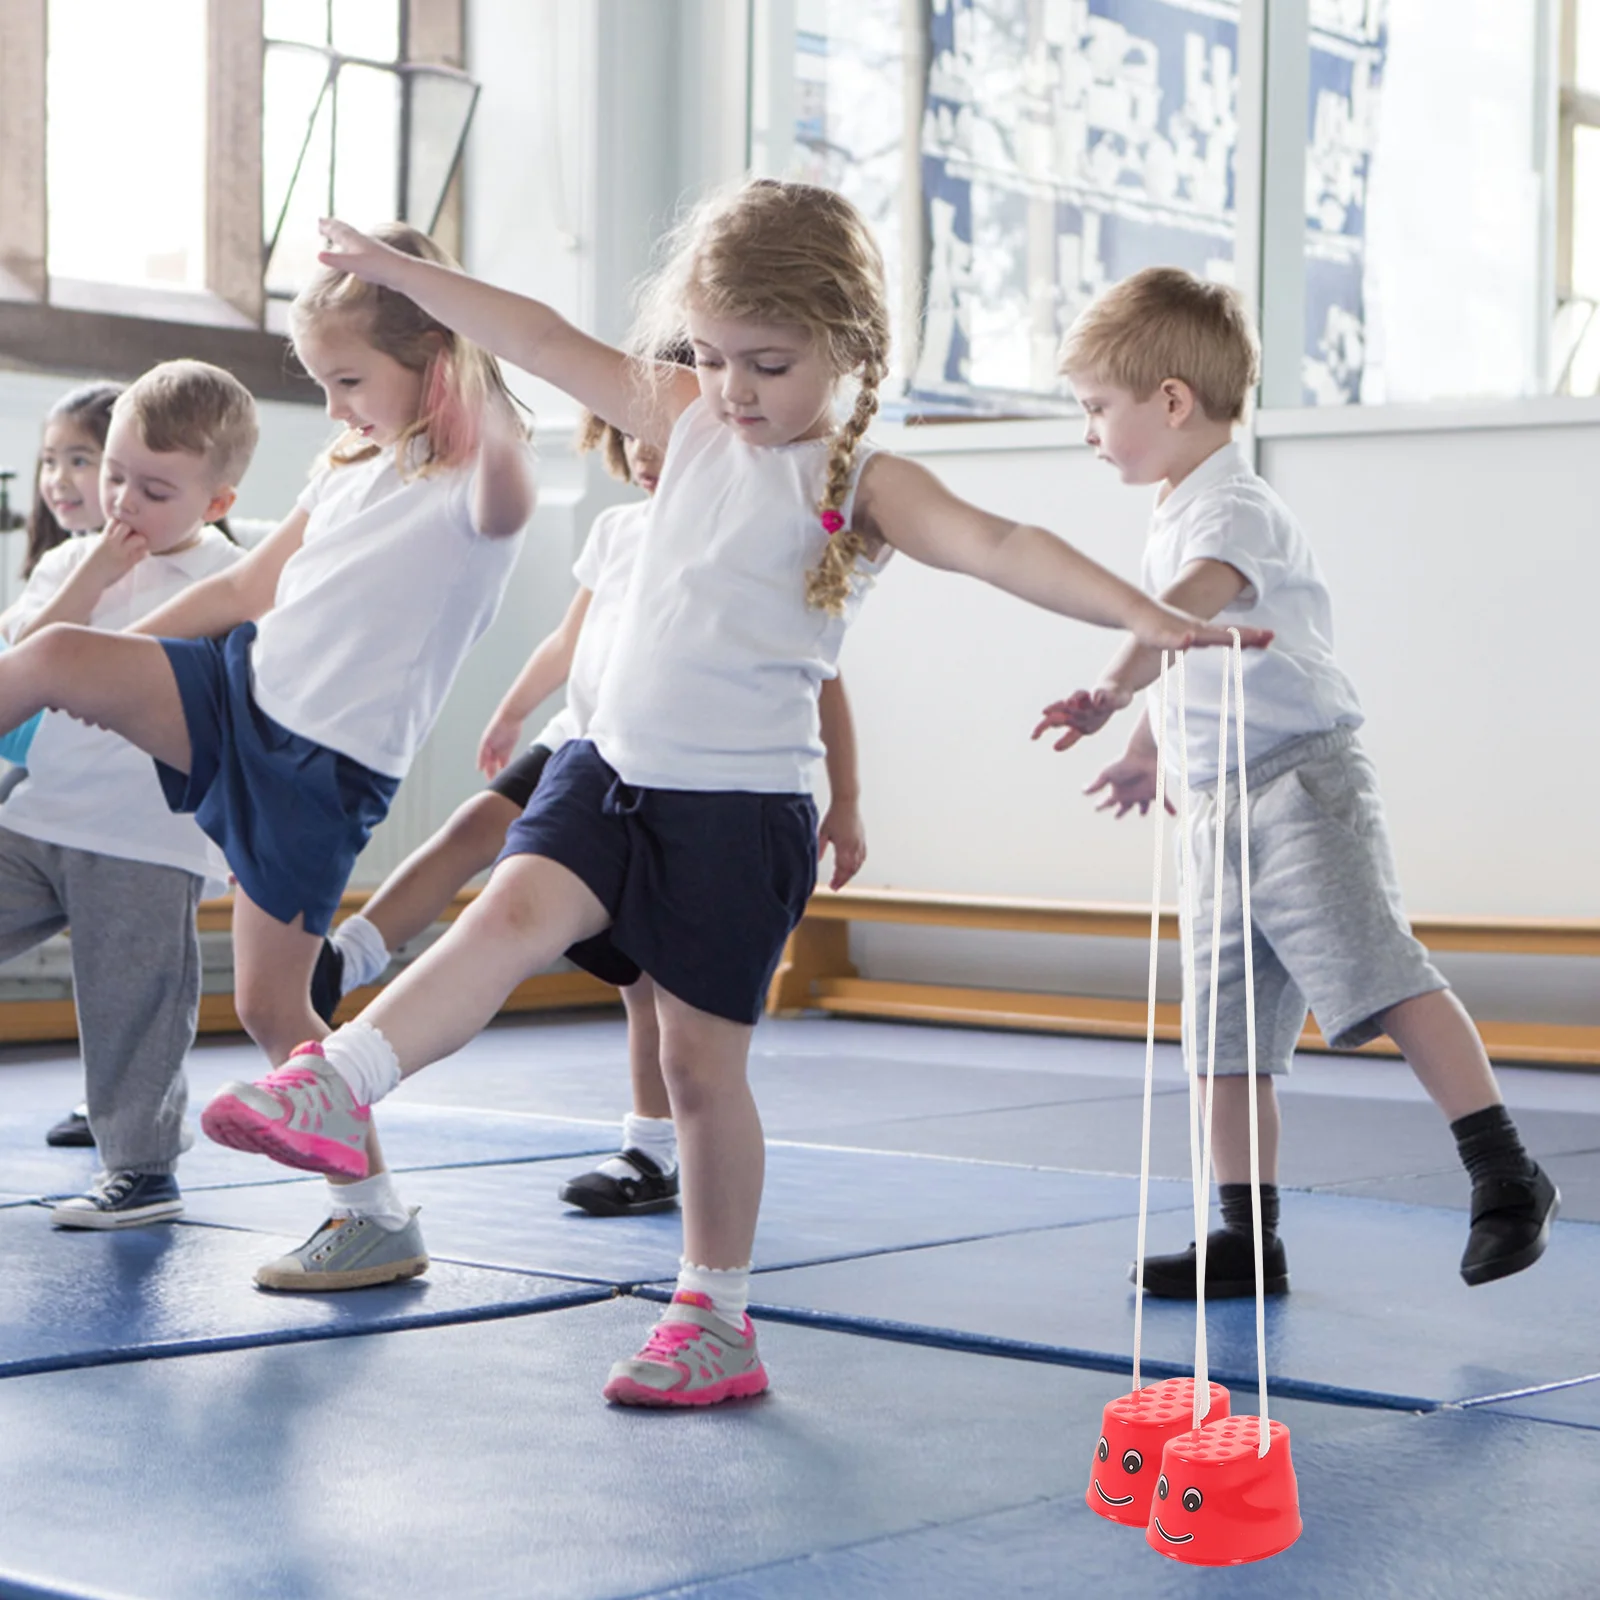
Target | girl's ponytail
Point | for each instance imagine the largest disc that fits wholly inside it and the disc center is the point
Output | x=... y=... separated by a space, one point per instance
x=828 y=584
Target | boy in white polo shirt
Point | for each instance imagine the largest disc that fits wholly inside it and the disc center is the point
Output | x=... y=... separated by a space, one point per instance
x=1163 y=366
x=86 y=838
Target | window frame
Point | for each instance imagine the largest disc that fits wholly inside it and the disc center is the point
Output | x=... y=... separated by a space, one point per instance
x=69 y=328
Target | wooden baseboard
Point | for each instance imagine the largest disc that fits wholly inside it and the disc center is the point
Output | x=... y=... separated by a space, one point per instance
x=1506 y=1042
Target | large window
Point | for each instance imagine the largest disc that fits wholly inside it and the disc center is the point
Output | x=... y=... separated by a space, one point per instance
x=1017 y=156
x=163 y=164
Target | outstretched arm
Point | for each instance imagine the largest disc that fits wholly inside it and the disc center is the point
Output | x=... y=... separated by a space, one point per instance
x=525 y=332
x=1202 y=589
x=842 y=827
x=546 y=670
x=241 y=593
x=907 y=506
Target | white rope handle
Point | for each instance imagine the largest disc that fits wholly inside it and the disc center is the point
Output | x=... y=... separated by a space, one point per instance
x=1237 y=652
x=1150 y=1021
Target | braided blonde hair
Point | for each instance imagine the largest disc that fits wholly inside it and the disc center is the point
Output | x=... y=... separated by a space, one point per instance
x=798 y=255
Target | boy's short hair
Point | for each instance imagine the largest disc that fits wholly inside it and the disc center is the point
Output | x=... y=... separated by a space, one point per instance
x=195 y=407
x=1166 y=323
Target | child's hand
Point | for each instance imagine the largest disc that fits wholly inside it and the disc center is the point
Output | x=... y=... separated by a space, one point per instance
x=1132 y=782
x=120 y=550
x=842 y=828
x=350 y=250
x=1162 y=628
x=1081 y=714
x=499 y=743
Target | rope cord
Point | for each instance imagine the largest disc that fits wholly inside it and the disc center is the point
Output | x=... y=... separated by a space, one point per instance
x=1150 y=1021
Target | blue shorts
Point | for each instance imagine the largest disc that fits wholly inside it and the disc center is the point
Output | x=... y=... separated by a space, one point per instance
x=703 y=888
x=290 y=815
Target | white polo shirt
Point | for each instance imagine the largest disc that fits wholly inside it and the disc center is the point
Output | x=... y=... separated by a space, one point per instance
x=376 y=610
x=88 y=788
x=712 y=682
x=1224 y=511
x=603 y=567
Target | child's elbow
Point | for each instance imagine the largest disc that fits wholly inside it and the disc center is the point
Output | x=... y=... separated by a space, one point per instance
x=501 y=515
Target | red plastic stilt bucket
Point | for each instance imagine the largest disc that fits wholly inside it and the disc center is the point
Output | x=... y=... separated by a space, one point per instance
x=1219 y=1502
x=1134 y=1431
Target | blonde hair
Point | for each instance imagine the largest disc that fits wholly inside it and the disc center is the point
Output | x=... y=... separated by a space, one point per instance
x=459 y=377
x=1166 y=323
x=802 y=256
x=197 y=408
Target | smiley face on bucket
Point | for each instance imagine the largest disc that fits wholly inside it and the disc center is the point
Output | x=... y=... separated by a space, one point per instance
x=1127 y=1456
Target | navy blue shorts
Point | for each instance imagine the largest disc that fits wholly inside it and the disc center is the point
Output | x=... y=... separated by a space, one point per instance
x=290 y=815
x=703 y=889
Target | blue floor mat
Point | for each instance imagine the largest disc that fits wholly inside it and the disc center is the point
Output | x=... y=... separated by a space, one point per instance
x=1425 y=1508
x=819 y=1205
x=1577 y=1405
x=1378 y=1310
x=83 y=1298
x=480 y=1461
x=413 y=1136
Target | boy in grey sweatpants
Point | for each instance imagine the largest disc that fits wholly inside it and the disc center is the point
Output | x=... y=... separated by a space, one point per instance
x=87 y=841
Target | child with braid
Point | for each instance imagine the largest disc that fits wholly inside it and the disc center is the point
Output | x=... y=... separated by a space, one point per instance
x=678 y=837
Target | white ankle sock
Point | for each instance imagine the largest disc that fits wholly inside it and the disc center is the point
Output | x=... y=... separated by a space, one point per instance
x=364 y=1059
x=657 y=1137
x=365 y=954
x=728 y=1288
x=374 y=1197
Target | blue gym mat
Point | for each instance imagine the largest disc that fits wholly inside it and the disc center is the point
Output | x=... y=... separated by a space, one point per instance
x=1378 y=1310
x=413 y=1136
x=87 y=1298
x=480 y=1461
x=1577 y=1404
x=1425 y=1508
x=820 y=1205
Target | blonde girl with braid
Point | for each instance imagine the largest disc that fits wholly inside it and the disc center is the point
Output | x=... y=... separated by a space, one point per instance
x=677 y=838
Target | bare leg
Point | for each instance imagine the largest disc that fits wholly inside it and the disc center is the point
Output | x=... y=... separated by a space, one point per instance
x=723 y=1150
x=118 y=681
x=650 y=1097
x=530 y=912
x=413 y=895
x=272 y=964
x=1230 y=1128
x=1441 y=1046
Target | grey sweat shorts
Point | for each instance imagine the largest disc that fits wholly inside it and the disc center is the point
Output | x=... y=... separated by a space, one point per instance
x=1329 y=929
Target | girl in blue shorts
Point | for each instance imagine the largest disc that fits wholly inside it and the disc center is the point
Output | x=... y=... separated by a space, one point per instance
x=284 y=698
x=678 y=838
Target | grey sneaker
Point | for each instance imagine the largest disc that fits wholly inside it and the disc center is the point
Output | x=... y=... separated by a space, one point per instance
x=349 y=1253
x=121 y=1200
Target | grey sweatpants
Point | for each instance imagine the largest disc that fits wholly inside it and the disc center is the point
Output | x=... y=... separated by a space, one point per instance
x=135 y=978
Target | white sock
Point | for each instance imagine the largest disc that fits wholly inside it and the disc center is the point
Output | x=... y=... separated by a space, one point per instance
x=365 y=954
x=656 y=1137
x=728 y=1288
x=364 y=1059
x=373 y=1197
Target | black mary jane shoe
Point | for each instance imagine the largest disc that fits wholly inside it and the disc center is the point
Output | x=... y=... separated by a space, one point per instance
x=602 y=1195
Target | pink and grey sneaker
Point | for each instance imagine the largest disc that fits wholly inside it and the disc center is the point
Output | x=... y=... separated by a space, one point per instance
x=693 y=1357
x=303 y=1115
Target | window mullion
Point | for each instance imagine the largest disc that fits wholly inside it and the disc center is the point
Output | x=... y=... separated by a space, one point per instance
x=234 y=60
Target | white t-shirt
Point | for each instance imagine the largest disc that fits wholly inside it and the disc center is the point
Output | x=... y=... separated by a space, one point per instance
x=377 y=609
x=1223 y=511
x=712 y=683
x=88 y=788
x=603 y=567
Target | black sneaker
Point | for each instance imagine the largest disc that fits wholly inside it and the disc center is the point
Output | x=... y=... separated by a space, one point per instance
x=121 y=1200
x=623 y=1194
x=327 y=980
x=1511 y=1220
x=72 y=1131
x=1230 y=1268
